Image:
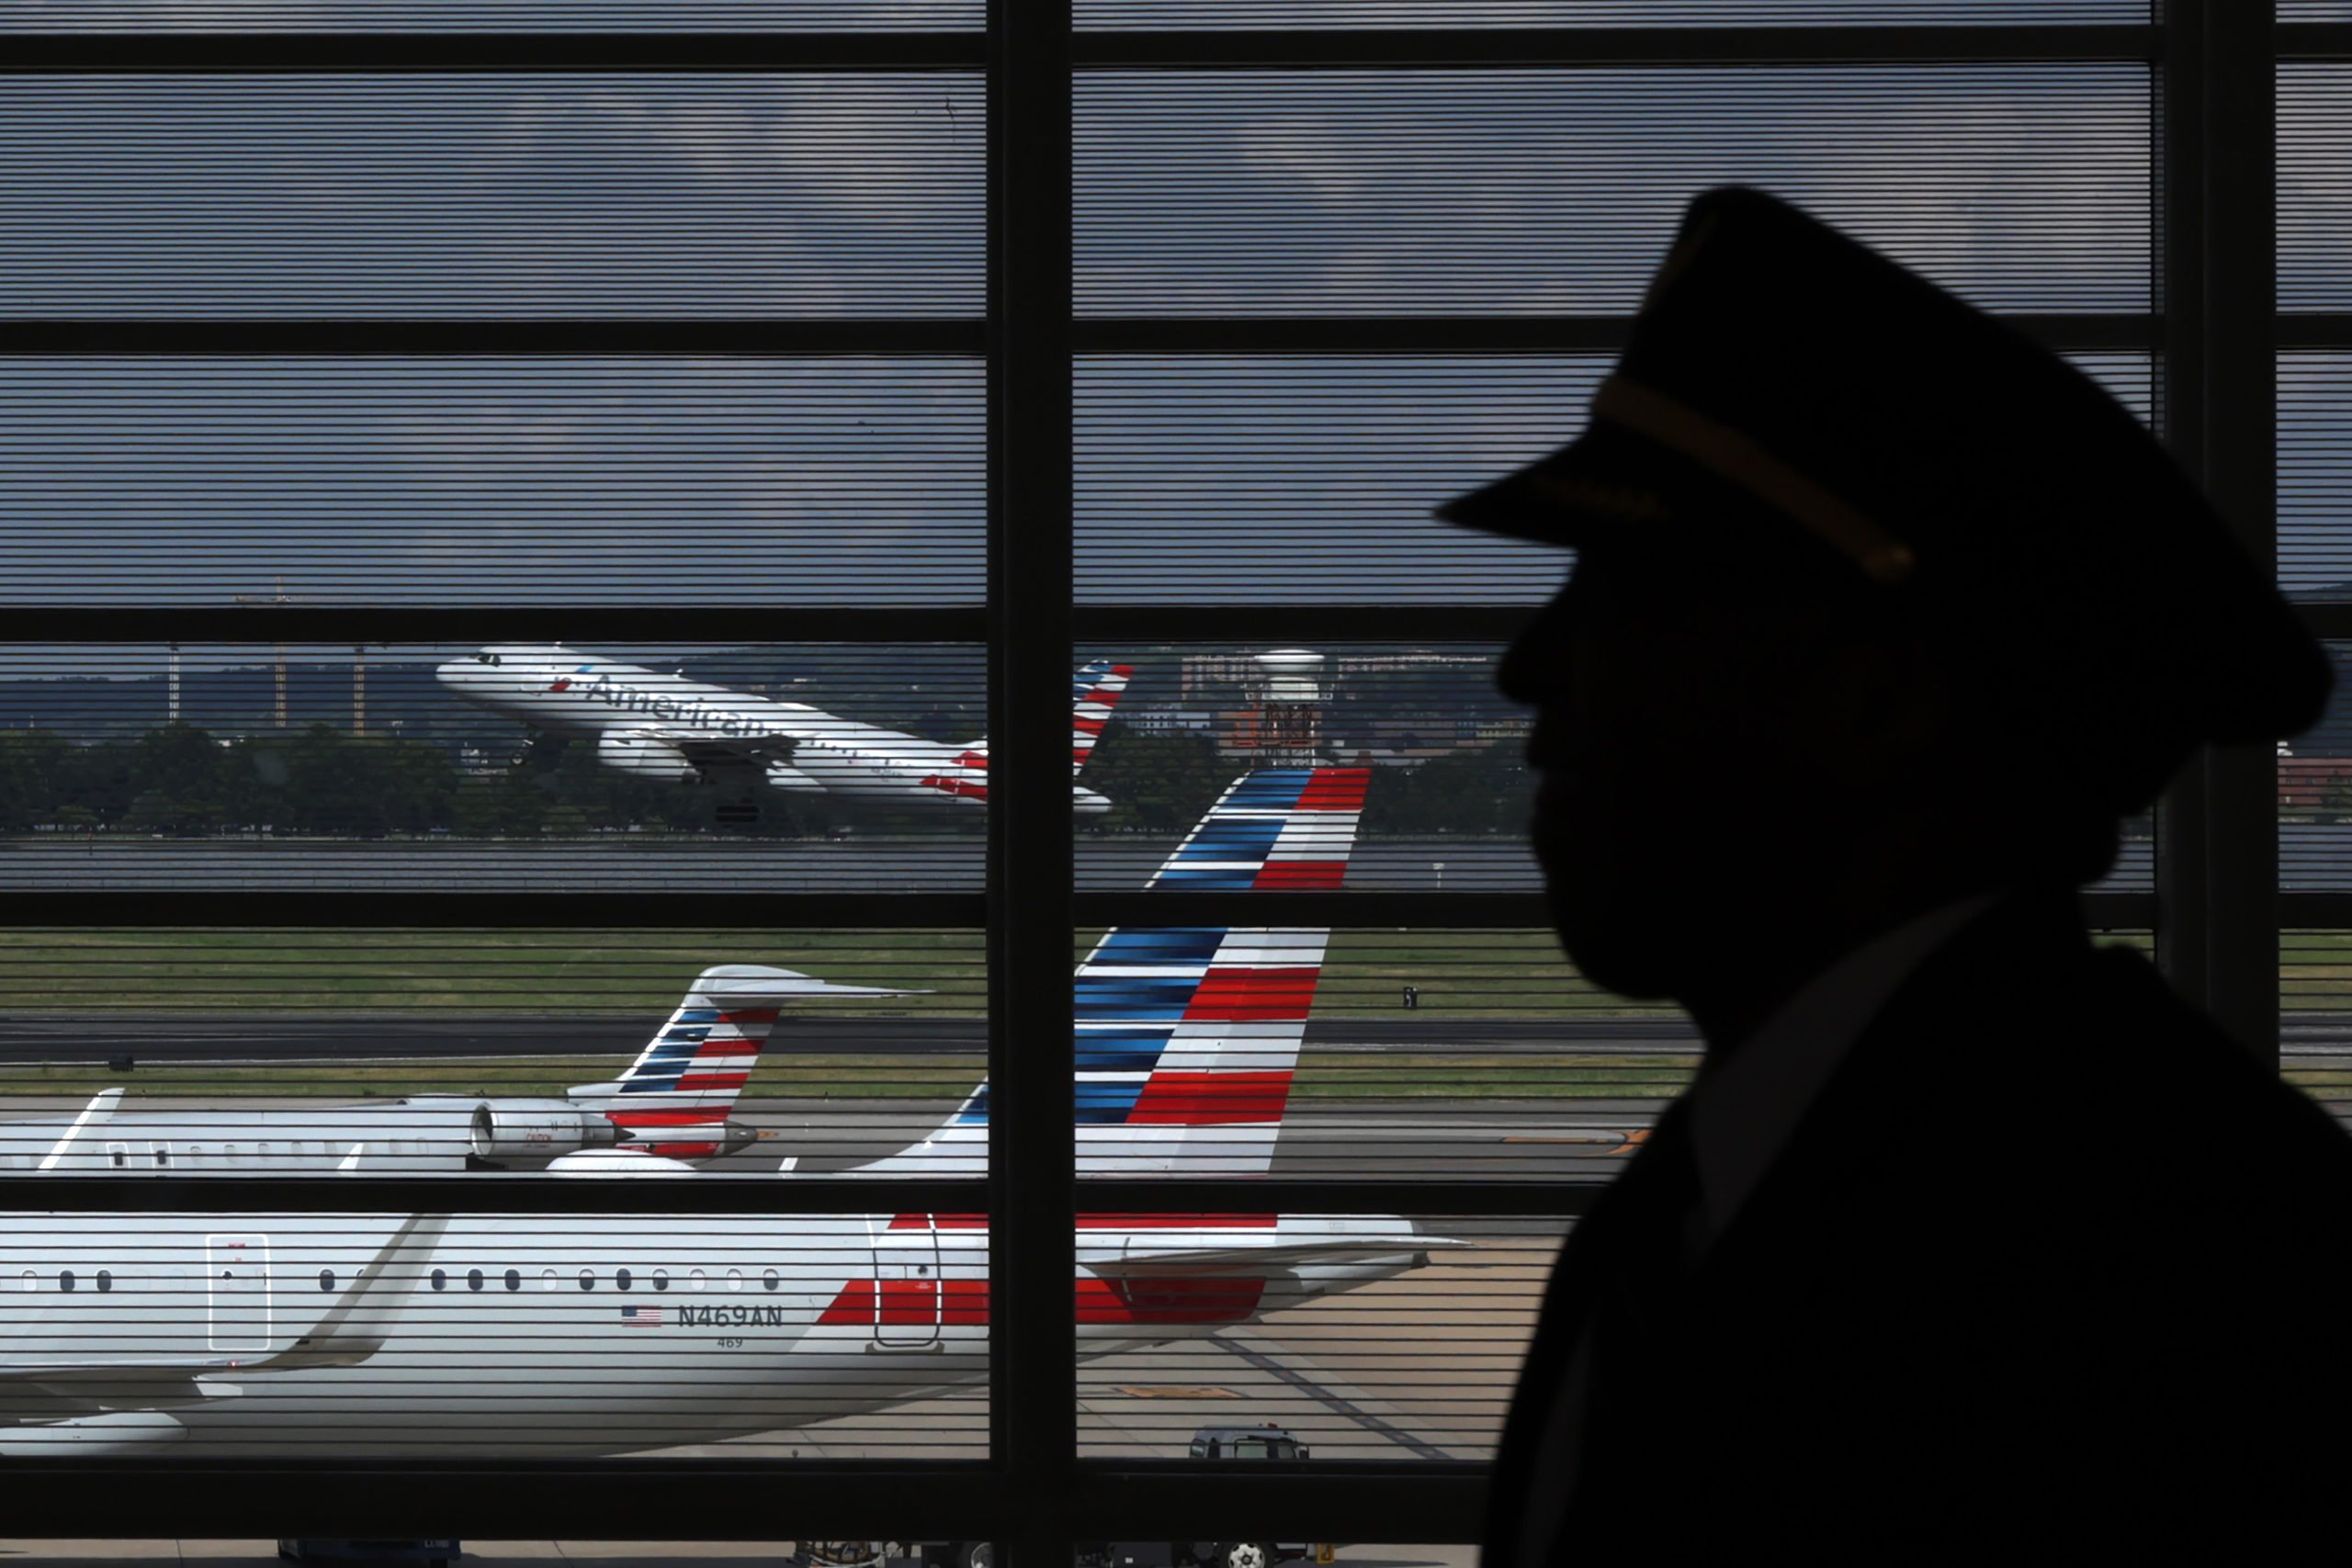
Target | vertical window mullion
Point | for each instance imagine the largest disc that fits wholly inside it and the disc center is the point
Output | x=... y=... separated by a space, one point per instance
x=1032 y=1170
x=2217 y=856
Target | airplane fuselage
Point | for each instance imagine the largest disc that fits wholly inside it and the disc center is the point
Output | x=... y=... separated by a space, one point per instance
x=574 y=1334
x=665 y=725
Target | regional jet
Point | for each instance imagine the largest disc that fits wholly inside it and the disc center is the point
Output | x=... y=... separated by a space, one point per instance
x=667 y=727
x=671 y=1106
x=576 y=1335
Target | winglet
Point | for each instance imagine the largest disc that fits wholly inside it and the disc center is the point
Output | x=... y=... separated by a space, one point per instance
x=97 y=1115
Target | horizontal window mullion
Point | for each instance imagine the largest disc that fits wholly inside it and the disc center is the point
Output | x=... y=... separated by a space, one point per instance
x=1115 y=624
x=568 y=908
x=512 y=1499
x=815 y=1499
x=1308 y=1500
x=1422 y=911
x=471 y=625
x=2332 y=621
x=360 y=1192
x=1434 y=1197
x=1304 y=49
x=2314 y=911
x=1431 y=910
x=2314 y=329
x=183 y=53
x=2075 y=332
x=2312 y=40
x=698 y=336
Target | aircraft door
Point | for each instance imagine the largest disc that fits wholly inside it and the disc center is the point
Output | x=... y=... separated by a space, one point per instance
x=907 y=1292
x=237 y=1291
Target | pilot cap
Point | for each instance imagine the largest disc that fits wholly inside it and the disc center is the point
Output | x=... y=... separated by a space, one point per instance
x=1790 y=395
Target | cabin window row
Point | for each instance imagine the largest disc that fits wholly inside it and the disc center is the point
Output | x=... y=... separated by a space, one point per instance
x=67 y=1279
x=550 y=1279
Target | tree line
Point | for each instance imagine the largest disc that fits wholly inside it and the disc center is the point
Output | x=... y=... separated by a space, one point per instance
x=180 y=780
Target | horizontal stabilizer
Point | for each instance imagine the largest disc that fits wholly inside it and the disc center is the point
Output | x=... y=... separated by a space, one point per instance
x=1258 y=1259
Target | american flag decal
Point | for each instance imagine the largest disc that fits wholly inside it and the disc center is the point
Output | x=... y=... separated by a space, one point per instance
x=640 y=1317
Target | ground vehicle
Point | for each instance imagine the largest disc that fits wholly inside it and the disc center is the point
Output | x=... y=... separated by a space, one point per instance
x=1266 y=1442
x=429 y=1552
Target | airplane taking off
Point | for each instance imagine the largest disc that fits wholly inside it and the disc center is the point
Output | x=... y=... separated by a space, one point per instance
x=680 y=731
x=611 y=1334
x=672 y=1105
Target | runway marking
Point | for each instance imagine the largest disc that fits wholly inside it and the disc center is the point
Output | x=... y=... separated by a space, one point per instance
x=1134 y=1390
x=1329 y=1400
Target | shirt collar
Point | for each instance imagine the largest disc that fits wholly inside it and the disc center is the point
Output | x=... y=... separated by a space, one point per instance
x=1743 y=1113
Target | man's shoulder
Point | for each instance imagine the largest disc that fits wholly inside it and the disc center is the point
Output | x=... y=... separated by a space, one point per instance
x=2090 y=1078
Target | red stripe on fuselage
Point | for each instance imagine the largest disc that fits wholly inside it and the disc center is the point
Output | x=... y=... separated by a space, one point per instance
x=918 y=1303
x=1201 y=1100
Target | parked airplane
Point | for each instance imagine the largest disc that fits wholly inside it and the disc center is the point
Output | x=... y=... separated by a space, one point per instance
x=667 y=727
x=611 y=1334
x=672 y=1105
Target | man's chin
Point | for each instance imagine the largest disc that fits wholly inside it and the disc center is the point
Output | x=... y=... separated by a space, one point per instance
x=1615 y=954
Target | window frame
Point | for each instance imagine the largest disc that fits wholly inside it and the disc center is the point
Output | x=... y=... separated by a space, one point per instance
x=2215 y=907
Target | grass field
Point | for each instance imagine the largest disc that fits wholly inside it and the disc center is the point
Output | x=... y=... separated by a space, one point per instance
x=116 y=976
x=1497 y=973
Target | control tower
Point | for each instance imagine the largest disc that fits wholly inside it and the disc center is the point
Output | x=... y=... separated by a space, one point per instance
x=1283 y=724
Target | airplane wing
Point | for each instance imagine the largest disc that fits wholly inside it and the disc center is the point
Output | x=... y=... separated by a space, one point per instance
x=355 y=1327
x=86 y=1127
x=37 y=1393
x=711 y=748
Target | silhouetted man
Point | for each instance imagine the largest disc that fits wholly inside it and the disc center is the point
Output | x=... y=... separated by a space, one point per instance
x=1971 y=1239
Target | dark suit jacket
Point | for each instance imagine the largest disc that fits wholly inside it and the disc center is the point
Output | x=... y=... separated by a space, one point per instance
x=2051 y=1261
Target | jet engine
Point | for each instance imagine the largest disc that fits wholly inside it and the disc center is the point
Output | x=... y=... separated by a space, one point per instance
x=534 y=1129
x=115 y=1432
x=647 y=756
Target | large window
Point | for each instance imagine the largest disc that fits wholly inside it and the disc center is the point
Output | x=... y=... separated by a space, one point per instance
x=735 y=764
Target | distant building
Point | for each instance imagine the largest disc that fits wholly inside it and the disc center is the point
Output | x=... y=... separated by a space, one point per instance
x=2304 y=782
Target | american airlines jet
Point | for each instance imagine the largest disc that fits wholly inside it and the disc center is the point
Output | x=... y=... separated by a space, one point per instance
x=611 y=1334
x=681 y=731
x=673 y=1104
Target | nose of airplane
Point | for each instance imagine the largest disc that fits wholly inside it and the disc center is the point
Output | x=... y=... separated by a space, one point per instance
x=456 y=673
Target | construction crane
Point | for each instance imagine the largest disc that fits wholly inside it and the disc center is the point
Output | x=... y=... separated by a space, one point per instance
x=277 y=661
x=277 y=649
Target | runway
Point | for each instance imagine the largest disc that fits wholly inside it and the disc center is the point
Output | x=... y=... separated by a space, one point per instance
x=161 y=1040
x=192 y=1039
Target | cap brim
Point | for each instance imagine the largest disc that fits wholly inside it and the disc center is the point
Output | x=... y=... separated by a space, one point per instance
x=1608 y=483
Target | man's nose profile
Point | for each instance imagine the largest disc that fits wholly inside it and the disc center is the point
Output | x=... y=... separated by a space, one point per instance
x=1921 y=1265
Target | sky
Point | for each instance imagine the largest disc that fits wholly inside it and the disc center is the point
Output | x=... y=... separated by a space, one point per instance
x=843 y=480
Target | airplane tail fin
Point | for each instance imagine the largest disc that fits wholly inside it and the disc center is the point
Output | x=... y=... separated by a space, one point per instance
x=674 y=1099
x=1187 y=1036
x=1094 y=691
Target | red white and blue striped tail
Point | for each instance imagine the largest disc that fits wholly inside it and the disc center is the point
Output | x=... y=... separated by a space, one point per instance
x=673 y=1102
x=1187 y=1036
x=1094 y=691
